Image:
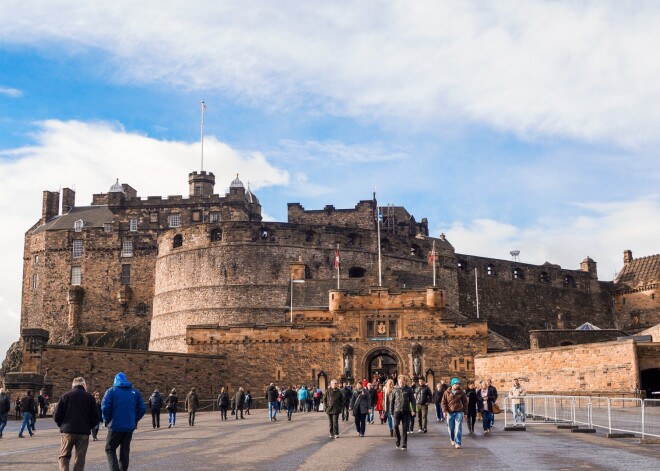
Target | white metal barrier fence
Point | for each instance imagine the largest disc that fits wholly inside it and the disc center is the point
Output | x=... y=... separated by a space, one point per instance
x=616 y=415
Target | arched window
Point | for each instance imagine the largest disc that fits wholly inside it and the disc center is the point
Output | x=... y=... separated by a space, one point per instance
x=416 y=251
x=78 y=225
x=490 y=270
x=177 y=241
x=356 y=272
x=518 y=274
x=309 y=236
x=216 y=234
x=569 y=282
x=462 y=266
x=545 y=277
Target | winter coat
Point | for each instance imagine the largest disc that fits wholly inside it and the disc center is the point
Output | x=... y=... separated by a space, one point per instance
x=172 y=401
x=379 y=401
x=240 y=399
x=515 y=393
x=5 y=404
x=486 y=404
x=361 y=402
x=302 y=394
x=333 y=401
x=223 y=399
x=348 y=394
x=156 y=401
x=423 y=395
x=437 y=396
x=472 y=401
x=454 y=401
x=122 y=405
x=373 y=396
x=290 y=398
x=28 y=404
x=271 y=394
x=192 y=402
x=403 y=401
x=77 y=412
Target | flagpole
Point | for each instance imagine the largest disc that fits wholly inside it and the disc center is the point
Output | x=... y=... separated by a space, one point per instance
x=337 y=263
x=433 y=255
x=380 y=267
x=202 y=133
x=476 y=290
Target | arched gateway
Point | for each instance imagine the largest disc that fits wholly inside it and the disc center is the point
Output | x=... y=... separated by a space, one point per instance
x=381 y=360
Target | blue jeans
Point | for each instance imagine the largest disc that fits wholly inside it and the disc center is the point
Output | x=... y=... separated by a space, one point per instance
x=171 y=417
x=3 y=422
x=389 y=421
x=27 y=420
x=370 y=417
x=487 y=419
x=438 y=412
x=272 y=410
x=455 y=426
x=518 y=408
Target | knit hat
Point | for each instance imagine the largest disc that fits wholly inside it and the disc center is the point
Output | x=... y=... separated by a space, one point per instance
x=455 y=381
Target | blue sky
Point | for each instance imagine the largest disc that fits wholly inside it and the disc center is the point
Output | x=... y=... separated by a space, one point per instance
x=527 y=125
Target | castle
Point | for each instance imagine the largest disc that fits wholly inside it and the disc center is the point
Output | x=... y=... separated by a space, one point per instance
x=206 y=276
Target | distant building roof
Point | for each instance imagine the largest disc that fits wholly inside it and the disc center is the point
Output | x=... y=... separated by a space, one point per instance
x=116 y=188
x=588 y=326
x=639 y=272
x=236 y=183
x=92 y=216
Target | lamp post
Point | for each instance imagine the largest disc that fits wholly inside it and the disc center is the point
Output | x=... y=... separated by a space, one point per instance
x=291 y=304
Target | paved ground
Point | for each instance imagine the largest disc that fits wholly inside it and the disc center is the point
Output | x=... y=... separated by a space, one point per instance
x=256 y=444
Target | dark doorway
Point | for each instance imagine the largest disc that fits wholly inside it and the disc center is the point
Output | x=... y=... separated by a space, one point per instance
x=382 y=363
x=651 y=383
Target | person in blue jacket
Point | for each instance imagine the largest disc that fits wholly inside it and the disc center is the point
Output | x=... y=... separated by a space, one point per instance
x=122 y=409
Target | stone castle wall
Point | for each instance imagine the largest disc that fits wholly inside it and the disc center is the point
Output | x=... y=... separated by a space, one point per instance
x=563 y=337
x=637 y=308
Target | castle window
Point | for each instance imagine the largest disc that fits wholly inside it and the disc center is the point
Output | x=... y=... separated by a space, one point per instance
x=142 y=309
x=127 y=248
x=392 y=328
x=356 y=272
x=264 y=234
x=216 y=235
x=174 y=220
x=36 y=259
x=77 y=248
x=214 y=217
x=132 y=224
x=198 y=190
x=490 y=270
x=545 y=277
x=35 y=281
x=370 y=328
x=416 y=251
x=196 y=216
x=125 y=274
x=569 y=281
x=76 y=276
x=78 y=225
x=462 y=266
x=107 y=227
x=518 y=274
x=153 y=216
x=177 y=241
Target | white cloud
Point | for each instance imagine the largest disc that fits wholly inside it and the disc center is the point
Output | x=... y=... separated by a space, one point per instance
x=602 y=231
x=88 y=157
x=568 y=69
x=338 y=153
x=10 y=92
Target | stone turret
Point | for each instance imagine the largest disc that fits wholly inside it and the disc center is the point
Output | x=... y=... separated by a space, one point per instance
x=201 y=183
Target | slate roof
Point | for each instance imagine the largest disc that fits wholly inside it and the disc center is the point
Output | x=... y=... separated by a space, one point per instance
x=588 y=326
x=92 y=216
x=639 y=272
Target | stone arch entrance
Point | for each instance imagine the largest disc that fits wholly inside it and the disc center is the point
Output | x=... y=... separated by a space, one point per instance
x=381 y=360
x=651 y=382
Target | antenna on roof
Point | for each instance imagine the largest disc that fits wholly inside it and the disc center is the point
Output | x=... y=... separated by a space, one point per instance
x=515 y=254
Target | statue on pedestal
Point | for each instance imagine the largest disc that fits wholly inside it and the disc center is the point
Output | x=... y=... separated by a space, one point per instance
x=348 y=361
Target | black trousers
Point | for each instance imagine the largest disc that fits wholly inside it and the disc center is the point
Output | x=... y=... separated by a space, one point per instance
x=223 y=412
x=191 y=418
x=404 y=419
x=155 y=418
x=123 y=441
x=289 y=412
x=334 y=424
x=360 y=422
x=345 y=412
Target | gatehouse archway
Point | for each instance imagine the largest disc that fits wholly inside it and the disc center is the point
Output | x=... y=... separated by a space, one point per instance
x=651 y=382
x=381 y=360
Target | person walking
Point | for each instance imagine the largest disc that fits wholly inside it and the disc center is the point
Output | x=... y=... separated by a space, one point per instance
x=333 y=405
x=271 y=396
x=17 y=408
x=192 y=404
x=455 y=407
x=76 y=415
x=41 y=399
x=437 y=401
x=471 y=394
x=290 y=398
x=240 y=402
x=155 y=405
x=493 y=390
x=515 y=393
x=28 y=408
x=348 y=394
x=423 y=396
x=485 y=401
x=172 y=402
x=361 y=407
x=248 y=402
x=223 y=403
x=388 y=395
x=122 y=408
x=97 y=400
x=302 y=398
x=5 y=407
x=379 y=404
x=373 y=398
x=402 y=408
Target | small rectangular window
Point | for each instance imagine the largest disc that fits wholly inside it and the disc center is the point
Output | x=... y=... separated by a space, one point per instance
x=132 y=223
x=125 y=274
x=127 y=248
x=76 y=276
x=174 y=220
x=35 y=281
x=107 y=227
x=214 y=217
x=196 y=216
x=198 y=190
x=78 y=225
x=370 y=328
x=153 y=217
x=392 y=328
x=77 y=248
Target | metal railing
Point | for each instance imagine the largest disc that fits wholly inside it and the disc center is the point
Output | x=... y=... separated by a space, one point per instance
x=614 y=414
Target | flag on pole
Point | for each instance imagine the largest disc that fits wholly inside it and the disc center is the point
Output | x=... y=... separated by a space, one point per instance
x=337 y=259
x=432 y=256
x=203 y=106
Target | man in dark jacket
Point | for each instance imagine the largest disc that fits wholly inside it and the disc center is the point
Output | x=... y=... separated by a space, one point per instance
x=422 y=397
x=492 y=389
x=122 y=408
x=28 y=408
x=192 y=404
x=76 y=415
x=289 y=399
x=373 y=398
x=402 y=409
x=333 y=404
x=271 y=397
x=455 y=407
x=240 y=402
x=5 y=407
x=348 y=394
x=155 y=404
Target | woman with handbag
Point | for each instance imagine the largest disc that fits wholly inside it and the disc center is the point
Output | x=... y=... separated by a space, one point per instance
x=379 y=404
x=485 y=402
x=171 y=401
x=361 y=406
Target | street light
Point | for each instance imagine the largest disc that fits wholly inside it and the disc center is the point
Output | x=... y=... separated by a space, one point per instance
x=291 y=306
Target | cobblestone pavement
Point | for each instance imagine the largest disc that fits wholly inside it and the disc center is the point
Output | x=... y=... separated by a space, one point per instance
x=257 y=444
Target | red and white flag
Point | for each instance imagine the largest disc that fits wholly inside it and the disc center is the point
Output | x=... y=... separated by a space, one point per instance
x=337 y=259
